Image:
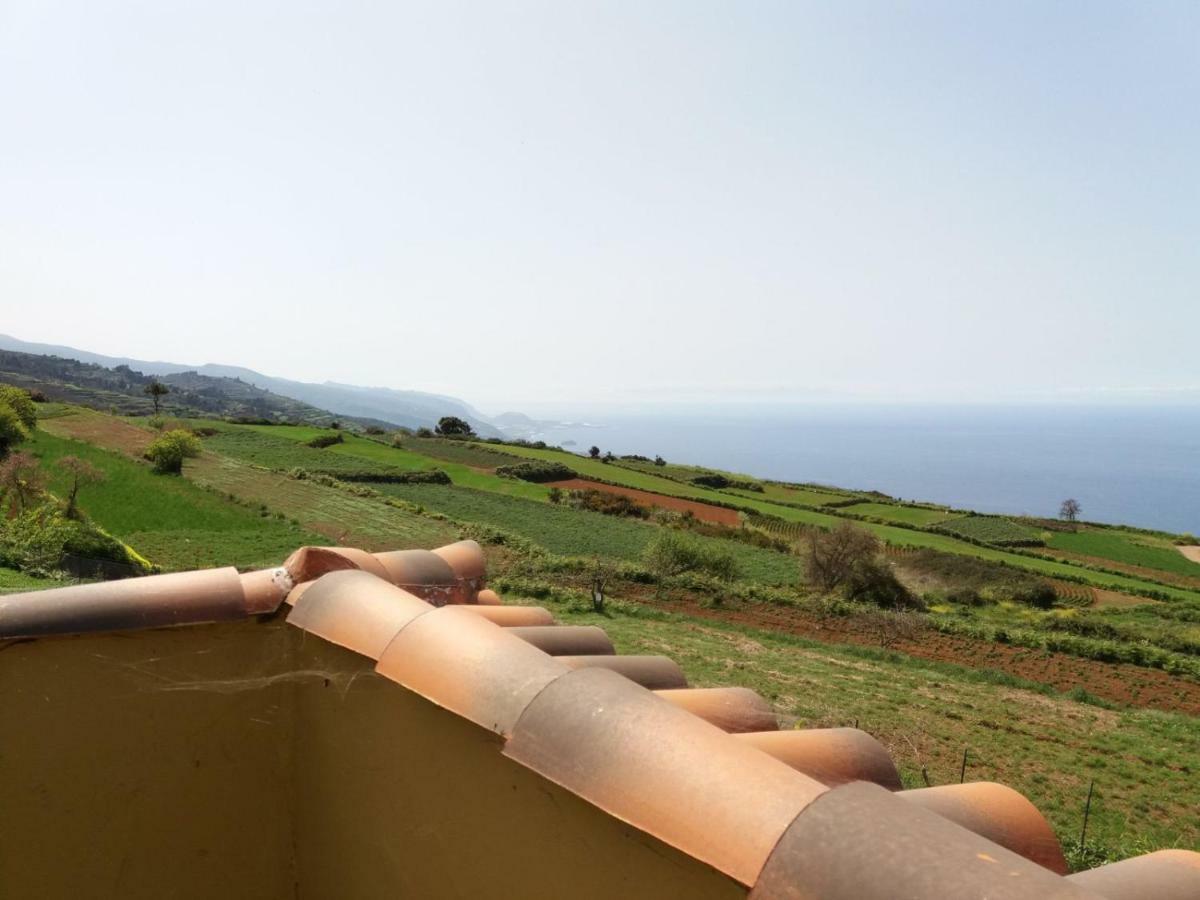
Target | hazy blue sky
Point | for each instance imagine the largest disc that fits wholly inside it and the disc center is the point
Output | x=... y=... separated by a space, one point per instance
x=574 y=201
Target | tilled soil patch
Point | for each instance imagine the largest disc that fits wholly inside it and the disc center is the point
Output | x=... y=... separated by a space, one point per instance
x=1117 y=682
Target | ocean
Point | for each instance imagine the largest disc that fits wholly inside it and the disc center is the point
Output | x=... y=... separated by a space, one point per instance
x=1131 y=465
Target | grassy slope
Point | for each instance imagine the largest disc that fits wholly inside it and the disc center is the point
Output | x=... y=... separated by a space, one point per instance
x=571 y=532
x=1124 y=547
x=169 y=520
x=335 y=515
x=925 y=714
x=391 y=457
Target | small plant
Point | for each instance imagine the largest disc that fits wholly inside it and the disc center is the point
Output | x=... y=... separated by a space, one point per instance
x=555 y=495
x=170 y=450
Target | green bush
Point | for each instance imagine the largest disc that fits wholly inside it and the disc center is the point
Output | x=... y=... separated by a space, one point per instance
x=537 y=471
x=170 y=450
x=673 y=553
x=326 y=440
x=22 y=404
x=712 y=480
x=608 y=503
x=12 y=429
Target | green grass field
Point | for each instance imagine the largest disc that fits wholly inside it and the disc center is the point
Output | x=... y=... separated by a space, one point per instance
x=330 y=515
x=992 y=529
x=167 y=519
x=1047 y=747
x=1124 y=547
x=909 y=515
x=570 y=532
x=12 y=581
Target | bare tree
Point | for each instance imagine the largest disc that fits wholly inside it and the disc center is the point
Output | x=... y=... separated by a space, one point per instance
x=21 y=480
x=1070 y=510
x=891 y=626
x=831 y=556
x=598 y=575
x=82 y=473
x=156 y=390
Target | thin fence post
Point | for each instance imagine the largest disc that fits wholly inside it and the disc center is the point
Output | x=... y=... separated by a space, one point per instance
x=1087 y=811
x=962 y=772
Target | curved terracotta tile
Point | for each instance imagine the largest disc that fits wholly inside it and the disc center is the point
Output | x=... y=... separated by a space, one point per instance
x=266 y=589
x=405 y=567
x=862 y=842
x=1163 y=875
x=998 y=813
x=487 y=597
x=310 y=563
x=209 y=595
x=833 y=756
x=732 y=709
x=473 y=667
x=512 y=616
x=356 y=610
x=657 y=673
x=466 y=559
x=297 y=592
x=661 y=769
x=566 y=640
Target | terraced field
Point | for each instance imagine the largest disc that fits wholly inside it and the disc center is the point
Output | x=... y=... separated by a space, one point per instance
x=169 y=520
x=916 y=516
x=1127 y=548
x=337 y=515
x=571 y=532
x=991 y=529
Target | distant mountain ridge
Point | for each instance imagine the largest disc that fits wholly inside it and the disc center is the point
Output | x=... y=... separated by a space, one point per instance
x=387 y=406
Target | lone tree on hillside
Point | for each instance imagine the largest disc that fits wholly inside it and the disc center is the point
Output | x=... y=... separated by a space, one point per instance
x=594 y=452
x=82 y=473
x=1070 y=510
x=156 y=390
x=831 y=557
x=453 y=426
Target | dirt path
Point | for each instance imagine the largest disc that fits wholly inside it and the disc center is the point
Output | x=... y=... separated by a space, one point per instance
x=703 y=511
x=1118 y=682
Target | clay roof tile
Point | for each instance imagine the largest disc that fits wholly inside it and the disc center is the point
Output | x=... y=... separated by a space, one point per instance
x=473 y=667
x=1163 y=875
x=654 y=672
x=653 y=765
x=309 y=563
x=998 y=813
x=566 y=640
x=833 y=756
x=511 y=616
x=208 y=595
x=356 y=610
x=466 y=559
x=861 y=842
x=732 y=709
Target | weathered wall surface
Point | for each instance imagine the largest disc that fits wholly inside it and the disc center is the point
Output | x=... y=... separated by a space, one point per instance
x=252 y=760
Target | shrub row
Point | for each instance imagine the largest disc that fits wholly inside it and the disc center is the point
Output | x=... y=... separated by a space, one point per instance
x=537 y=471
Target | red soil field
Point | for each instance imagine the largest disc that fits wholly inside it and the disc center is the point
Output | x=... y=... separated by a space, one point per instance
x=702 y=511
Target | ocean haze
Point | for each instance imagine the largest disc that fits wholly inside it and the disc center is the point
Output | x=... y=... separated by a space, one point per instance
x=1134 y=465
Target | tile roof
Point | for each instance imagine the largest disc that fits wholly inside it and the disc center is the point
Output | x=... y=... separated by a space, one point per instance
x=787 y=814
